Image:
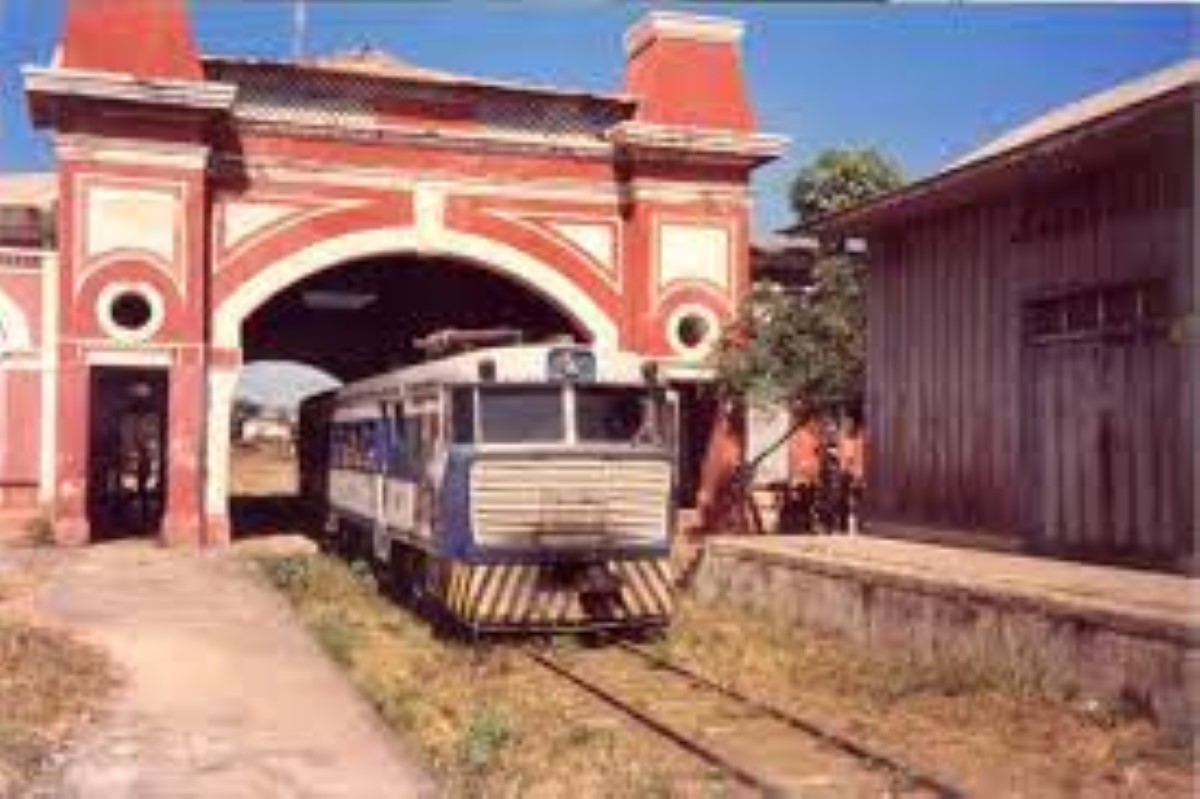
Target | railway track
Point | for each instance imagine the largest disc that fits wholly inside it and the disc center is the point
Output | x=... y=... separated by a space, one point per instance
x=763 y=749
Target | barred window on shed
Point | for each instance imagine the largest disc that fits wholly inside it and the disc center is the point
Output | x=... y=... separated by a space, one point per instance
x=1107 y=310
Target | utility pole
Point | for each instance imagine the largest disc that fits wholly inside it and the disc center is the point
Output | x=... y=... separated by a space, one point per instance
x=299 y=26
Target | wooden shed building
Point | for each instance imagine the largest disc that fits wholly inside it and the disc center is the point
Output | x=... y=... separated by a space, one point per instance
x=1034 y=339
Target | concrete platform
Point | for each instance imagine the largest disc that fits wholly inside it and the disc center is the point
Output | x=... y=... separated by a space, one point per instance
x=1083 y=630
x=224 y=694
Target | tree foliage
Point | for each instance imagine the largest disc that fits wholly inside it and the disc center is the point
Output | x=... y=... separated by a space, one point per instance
x=800 y=346
x=807 y=344
x=840 y=178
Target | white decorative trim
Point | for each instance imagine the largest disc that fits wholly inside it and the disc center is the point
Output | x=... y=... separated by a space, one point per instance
x=129 y=152
x=222 y=385
x=241 y=219
x=429 y=208
x=704 y=348
x=475 y=140
x=305 y=174
x=549 y=223
x=696 y=141
x=48 y=440
x=104 y=309
x=301 y=211
x=661 y=288
x=677 y=25
x=202 y=95
x=21 y=363
x=139 y=218
x=687 y=371
x=597 y=239
x=691 y=252
x=540 y=277
x=14 y=328
x=87 y=182
x=139 y=357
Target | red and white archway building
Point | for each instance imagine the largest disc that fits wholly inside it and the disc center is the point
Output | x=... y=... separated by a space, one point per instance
x=192 y=190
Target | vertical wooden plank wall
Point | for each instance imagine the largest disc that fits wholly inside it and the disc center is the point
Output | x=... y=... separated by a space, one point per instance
x=952 y=415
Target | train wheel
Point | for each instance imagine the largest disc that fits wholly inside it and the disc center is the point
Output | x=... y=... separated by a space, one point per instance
x=399 y=582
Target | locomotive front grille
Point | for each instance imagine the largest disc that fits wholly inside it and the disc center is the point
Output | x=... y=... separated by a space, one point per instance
x=570 y=502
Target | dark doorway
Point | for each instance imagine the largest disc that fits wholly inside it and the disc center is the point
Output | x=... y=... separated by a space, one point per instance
x=698 y=405
x=127 y=469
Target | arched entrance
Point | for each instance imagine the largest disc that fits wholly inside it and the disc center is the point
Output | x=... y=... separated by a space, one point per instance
x=363 y=316
x=197 y=189
x=264 y=480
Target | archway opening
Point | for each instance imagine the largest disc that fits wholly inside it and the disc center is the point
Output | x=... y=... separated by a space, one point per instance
x=263 y=478
x=343 y=324
x=363 y=317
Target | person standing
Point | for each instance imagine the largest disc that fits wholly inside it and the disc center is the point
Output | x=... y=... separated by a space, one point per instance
x=852 y=468
x=804 y=471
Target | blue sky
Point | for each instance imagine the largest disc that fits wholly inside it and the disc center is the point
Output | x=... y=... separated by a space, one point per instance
x=925 y=83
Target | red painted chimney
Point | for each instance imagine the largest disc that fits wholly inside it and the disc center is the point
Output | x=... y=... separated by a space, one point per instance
x=687 y=70
x=144 y=38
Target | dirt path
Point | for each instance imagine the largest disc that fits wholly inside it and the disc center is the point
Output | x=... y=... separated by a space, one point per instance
x=224 y=696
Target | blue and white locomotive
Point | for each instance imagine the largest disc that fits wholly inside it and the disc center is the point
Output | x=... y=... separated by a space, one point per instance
x=514 y=488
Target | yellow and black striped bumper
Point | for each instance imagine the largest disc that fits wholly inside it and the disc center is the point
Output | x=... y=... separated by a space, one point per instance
x=531 y=596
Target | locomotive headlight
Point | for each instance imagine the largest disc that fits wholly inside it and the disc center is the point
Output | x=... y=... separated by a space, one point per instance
x=571 y=365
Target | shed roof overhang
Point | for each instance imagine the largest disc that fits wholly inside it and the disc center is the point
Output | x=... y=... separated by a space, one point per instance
x=1036 y=160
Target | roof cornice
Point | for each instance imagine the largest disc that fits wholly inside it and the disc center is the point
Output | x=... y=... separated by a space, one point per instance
x=756 y=147
x=206 y=96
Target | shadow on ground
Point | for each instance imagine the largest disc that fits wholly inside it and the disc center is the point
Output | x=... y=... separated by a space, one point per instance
x=255 y=516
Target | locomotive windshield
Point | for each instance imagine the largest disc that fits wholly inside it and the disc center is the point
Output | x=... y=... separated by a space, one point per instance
x=521 y=414
x=527 y=414
x=613 y=414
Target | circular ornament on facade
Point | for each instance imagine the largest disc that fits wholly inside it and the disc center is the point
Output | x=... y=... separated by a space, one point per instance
x=693 y=330
x=129 y=311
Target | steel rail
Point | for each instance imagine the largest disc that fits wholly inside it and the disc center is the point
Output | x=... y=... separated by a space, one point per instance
x=684 y=741
x=877 y=760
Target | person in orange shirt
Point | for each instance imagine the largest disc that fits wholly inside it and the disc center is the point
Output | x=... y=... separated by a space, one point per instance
x=804 y=472
x=718 y=500
x=852 y=471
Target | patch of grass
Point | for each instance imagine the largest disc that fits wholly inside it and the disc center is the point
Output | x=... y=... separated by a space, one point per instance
x=488 y=721
x=338 y=636
x=979 y=724
x=49 y=683
x=488 y=732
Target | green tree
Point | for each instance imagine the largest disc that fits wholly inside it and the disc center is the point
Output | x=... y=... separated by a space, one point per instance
x=840 y=178
x=807 y=343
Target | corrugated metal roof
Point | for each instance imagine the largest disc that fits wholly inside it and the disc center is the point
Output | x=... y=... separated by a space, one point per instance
x=370 y=60
x=375 y=63
x=343 y=97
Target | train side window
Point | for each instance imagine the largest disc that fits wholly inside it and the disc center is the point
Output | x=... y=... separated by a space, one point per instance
x=397 y=444
x=367 y=452
x=462 y=416
x=340 y=455
x=412 y=435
